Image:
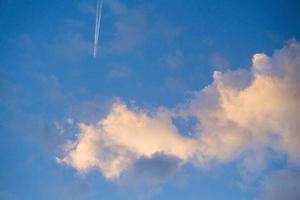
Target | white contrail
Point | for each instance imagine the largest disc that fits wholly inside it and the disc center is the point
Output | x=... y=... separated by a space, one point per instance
x=97 y=26
x=98 y=17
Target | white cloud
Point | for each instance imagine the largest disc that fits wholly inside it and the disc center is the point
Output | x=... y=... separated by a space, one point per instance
x=240 y=112
x=122 y=137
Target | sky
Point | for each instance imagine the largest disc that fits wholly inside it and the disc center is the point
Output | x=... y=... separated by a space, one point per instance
x=184 y=100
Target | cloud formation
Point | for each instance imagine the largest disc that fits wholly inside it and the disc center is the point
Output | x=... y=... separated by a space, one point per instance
x=124 y=136
x=282 y=184
x=241 y=114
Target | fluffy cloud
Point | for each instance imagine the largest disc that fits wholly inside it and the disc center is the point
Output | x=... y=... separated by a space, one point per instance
x=239 y=114
x=123 y=137
x=243 y=110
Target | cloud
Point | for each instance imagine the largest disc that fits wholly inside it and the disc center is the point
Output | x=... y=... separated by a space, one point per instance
x=173 y=59
x=241 y=114
x=130 y=25
x=123 y=137
x=155 y=168
x=116 y=7
x=282 y=184
x=147 y=174
x=130 y=32
x=218 y=61
x=119 y=71
x=240 y=111
x=86 y=7
x=133 y=27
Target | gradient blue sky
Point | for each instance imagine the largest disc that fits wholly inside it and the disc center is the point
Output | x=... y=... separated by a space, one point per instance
x=151 y=53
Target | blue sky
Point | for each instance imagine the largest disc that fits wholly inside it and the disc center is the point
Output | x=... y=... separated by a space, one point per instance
x=154 y=59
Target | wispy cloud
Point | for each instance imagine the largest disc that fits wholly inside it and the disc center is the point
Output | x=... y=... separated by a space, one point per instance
x=219 y=62
x=131 y=31
x=120 y=71
x=174 y=59
x=117 y=7
x=282 y=184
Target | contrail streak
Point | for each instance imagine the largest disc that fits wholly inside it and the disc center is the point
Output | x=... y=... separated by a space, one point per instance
x=97 y=26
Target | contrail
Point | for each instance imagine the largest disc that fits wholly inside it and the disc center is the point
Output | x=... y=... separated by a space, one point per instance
x=97 y=26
